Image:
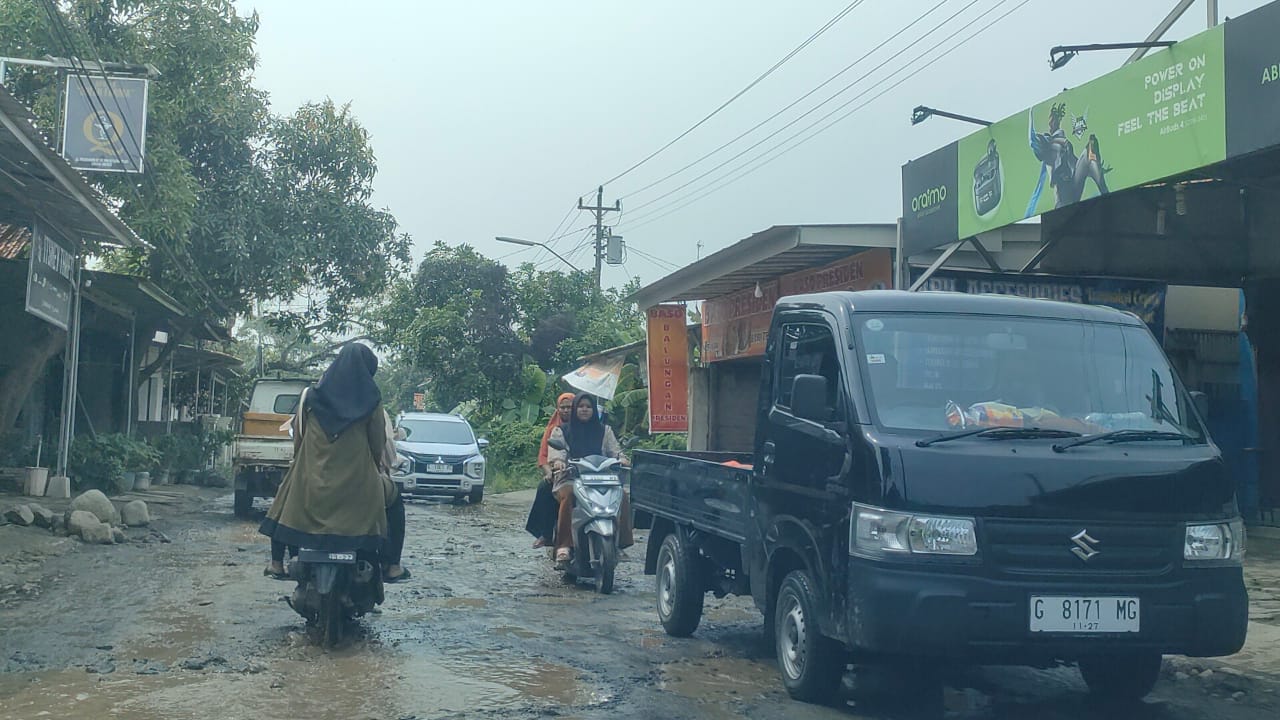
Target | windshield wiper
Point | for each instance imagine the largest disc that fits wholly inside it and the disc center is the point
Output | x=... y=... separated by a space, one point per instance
x=1129 y=435
x=999 y=433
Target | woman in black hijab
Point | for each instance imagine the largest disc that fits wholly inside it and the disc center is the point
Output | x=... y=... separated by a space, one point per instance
x=584 y=435
x=338 y=495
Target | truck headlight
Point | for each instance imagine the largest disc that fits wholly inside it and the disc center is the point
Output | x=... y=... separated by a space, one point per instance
x=474 y=468
x=879 y=533
x=1214 y=541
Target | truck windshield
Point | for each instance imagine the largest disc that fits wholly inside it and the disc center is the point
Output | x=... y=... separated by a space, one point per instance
x=952 y=372
x=443 y=432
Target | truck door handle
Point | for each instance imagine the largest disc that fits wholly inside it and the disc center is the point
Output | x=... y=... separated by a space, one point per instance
x=767 y=453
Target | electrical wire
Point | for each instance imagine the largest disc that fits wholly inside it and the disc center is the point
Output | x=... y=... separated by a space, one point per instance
x=815 y=108
x=62 y=35
x=830 y=23
x=764 y=159
x=655 y=259
x=795 y=102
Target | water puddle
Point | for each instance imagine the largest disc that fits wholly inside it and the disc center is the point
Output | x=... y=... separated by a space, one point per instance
x=360 y=682
x=512 y=631
x=720 y=679
x=465 y=602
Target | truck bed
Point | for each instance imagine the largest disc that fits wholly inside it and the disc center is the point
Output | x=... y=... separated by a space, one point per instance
x=693 y=488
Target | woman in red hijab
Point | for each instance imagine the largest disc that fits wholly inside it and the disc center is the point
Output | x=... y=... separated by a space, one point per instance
x=542 y=516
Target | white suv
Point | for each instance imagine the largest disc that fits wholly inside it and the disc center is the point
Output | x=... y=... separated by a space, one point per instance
x=439 y=456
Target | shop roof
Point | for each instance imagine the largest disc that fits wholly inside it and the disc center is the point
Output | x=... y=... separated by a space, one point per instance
x=42 y=184
x=763 y=256
x=128 y=293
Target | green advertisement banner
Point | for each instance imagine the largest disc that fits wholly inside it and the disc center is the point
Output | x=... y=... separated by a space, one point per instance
x=1158 y=117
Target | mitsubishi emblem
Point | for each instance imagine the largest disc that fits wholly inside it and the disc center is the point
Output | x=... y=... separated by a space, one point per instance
x=440 y=460
x=1084 y=545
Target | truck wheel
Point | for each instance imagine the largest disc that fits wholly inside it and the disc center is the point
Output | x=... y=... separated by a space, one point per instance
x=1121 y=678
x=812 y=664
x=243 y=503
x=680 y=595
x=477 y=495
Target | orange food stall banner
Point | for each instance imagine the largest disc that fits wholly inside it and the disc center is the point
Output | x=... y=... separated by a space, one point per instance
x=868 y=270
x=668 y=370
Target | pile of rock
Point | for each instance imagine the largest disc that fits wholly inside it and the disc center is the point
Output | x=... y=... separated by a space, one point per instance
x=92 y=517
x=31 y=514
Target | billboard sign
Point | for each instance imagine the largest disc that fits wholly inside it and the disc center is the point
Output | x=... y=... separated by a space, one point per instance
x=105 y=125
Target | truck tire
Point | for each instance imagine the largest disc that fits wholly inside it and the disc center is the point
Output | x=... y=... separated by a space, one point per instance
x=477 y=495
x=679 y=592
x=812 y=664
x=243 y=502
x=1121 y=678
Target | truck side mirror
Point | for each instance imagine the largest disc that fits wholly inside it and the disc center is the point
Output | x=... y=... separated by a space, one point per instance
x=1201 y=401
x=482 y=443
x=809 y=398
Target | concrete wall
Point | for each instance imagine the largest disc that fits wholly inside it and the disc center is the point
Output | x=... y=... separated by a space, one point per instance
x=733 y=416
x=1202 y=308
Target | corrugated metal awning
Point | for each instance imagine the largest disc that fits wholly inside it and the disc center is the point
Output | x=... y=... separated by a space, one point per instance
x=766 y=255
x=39 y=183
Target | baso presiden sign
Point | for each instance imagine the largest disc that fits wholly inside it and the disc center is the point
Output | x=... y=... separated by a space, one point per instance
x=668 y=370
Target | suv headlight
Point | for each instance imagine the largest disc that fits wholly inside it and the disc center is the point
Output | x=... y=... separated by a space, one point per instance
x=880 y=533
x=1214 y=541
x=474 y=468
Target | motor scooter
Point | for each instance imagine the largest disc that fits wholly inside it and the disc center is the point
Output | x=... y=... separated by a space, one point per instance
x=334 y=588
x=597 y=493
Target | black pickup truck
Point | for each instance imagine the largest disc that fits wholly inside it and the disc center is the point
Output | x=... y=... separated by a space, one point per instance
x=944 y=478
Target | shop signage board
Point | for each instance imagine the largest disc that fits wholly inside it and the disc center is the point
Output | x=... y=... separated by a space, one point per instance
x=50 y=279
x=668 y=360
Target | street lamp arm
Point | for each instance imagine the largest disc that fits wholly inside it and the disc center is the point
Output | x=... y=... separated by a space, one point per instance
x=531 y=243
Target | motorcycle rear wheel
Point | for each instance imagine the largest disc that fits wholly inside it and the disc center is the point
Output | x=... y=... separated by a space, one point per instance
x=331 y=620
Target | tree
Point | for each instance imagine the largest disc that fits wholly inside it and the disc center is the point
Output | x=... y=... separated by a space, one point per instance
x=241 y=205
x=479 y=332
x=455 y=320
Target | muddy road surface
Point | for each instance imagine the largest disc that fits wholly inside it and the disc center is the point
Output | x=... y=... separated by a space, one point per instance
x=192 y=630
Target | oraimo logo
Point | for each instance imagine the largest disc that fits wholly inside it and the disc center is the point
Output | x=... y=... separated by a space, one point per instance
x=929 y=199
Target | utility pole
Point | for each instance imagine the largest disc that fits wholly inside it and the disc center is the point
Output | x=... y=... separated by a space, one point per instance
x=599 y=209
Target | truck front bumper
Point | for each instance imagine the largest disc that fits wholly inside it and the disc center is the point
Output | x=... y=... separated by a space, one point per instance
x=962 y=614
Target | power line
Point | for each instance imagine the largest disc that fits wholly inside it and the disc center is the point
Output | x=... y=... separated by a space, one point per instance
x=655 y=259
x=764 y=158
x=797 y=101
x=63 y=35
x=830 y=23
x=815 y=108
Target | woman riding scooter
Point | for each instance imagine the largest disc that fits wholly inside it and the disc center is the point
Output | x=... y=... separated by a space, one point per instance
x=584 y=435
x=542 y=515
x=337 y=494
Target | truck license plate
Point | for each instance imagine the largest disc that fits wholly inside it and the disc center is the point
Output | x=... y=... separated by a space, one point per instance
x=1075 y=614
x=439 y=468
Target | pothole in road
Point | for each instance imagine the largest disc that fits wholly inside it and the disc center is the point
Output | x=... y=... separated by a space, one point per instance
x=360 y=682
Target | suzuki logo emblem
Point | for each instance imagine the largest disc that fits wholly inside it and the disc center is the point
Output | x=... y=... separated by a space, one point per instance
x=1084 y=545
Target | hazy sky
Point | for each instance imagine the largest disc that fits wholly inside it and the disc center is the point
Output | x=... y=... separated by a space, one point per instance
x=489 y=117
